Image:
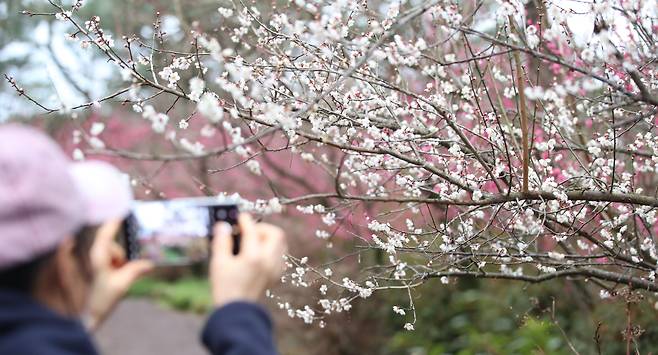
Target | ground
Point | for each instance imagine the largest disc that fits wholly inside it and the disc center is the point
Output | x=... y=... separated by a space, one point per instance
x=141 y=327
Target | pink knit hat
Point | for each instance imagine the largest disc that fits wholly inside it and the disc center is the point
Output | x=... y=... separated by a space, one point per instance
x=105 y=189
x=45 y=198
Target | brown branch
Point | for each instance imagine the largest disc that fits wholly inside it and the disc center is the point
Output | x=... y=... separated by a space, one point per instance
x=644 y=91
x=589 y=196
x=633 y=282
x=524 y=120
x=173 y=157
x=634 y=120
x=21 y=92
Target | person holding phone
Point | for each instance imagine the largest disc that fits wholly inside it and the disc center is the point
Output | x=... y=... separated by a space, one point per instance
x=62 y=271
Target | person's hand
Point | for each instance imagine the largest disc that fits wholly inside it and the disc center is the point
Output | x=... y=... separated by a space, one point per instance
x=113 y=276
x=244 y=277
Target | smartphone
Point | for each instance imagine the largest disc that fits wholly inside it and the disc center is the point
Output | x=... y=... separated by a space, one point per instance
x=178 y=231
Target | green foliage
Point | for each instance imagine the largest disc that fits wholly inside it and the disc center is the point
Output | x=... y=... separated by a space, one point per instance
x=187 y=294
x=476 y=322
x=498 y=317
x=472 y=317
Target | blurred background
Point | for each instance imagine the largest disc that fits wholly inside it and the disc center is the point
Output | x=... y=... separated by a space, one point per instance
x=164 y=313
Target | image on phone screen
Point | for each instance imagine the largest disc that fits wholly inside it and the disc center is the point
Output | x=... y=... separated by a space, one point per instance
x=173 y=231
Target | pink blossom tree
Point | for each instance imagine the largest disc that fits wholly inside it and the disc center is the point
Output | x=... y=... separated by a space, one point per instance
x=443 y=139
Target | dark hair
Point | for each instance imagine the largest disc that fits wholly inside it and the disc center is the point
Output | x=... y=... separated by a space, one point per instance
x=84 y=239
x=22 y=277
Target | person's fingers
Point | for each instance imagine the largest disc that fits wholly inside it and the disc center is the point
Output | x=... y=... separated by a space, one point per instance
x=273 y=247
x=107 y=232
x=100 y=252
x=131 y=271
x=248 y=233
x=118 y=255
x=222 y=242
x=273 y=237
x=279 y=253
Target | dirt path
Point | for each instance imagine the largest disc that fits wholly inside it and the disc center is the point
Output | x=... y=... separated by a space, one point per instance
x=141 y=327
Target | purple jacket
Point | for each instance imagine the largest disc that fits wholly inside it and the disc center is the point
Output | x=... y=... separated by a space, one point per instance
x=28 y=328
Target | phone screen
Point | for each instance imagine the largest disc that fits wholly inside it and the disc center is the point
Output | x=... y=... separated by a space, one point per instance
x=175 y=231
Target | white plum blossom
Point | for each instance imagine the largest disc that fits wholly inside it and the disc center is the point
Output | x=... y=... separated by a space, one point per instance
x=329 y=219
x=170 y=75
x=158 y=120
x=531 y=37
x=96 y=142
x=63 y=16
x=78 y=154
x=307 y=314
x=97 y=128
x=322 y=234
x=197 y=85
x=209 y=107
x=195 y=148
x=225 y=12
x=556 y=255
x=254 y=167
x=398 y=310
x=445 y=142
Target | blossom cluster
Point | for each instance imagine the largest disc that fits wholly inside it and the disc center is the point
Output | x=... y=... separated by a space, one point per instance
x=459 y=142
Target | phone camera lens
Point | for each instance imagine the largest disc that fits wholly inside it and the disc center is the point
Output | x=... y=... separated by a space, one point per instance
x=221 y=214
